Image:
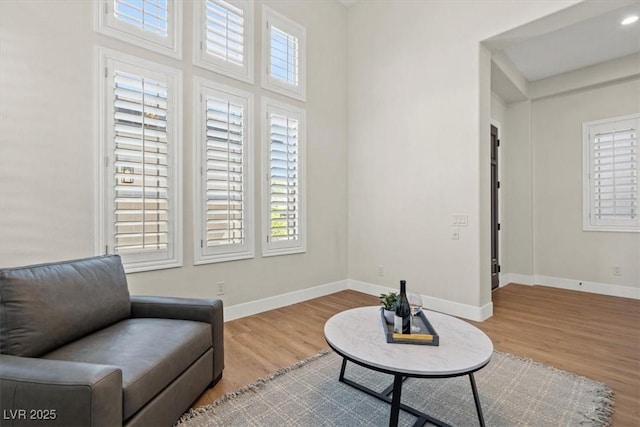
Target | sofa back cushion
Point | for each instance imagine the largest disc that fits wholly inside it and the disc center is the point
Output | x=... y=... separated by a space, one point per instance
x=43 y=307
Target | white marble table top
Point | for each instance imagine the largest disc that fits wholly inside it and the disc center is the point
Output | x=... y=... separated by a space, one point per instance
x=358 y=334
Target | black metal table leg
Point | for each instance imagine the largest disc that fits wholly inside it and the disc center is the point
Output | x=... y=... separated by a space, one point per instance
x=395 y=390
x=344 y=365
x=476 y=398
x=395 y=401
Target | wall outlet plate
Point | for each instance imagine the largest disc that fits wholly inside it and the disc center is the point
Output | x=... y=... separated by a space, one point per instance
x=455 y=233
x=617 y=271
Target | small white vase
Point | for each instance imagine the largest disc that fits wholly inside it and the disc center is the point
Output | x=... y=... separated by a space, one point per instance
x=389 y=316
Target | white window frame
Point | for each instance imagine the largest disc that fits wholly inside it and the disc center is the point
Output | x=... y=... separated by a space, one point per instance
x=108 y=61
x=590 y=223
x=106 y=23
x=210 y=62
x=270 y=248
x=202 y=254
x=271 y=17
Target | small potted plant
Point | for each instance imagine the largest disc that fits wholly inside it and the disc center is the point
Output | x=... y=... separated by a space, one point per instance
x=389 y=301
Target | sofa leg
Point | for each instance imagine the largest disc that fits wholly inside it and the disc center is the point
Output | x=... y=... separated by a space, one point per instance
x=215 y=380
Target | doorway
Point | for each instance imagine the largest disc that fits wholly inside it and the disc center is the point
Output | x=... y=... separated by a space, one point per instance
x=495 y=224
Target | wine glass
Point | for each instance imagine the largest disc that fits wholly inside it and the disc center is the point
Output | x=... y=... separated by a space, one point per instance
x=415 y=303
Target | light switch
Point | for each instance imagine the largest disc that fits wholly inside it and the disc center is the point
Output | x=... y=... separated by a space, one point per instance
x=460 y=220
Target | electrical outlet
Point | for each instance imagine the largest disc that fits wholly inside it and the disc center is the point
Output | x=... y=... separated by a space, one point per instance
x=455 y=233
x=220 y=288
x=617 y=271
x=380 y=270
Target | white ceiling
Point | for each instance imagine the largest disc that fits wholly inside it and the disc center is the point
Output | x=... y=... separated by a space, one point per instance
x=591 y=41
x=585 y=43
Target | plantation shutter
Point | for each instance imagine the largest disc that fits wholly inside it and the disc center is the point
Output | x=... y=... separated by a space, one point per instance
x=284 y=56
x=147 y=15
x=284 y=50
x=140 y=164
x=615 y=170
x=283 y=178
x=225 y=31
x=614 y=173
x=225 y=222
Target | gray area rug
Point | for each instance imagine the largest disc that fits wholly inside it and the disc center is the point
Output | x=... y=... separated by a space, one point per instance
x=513 y=392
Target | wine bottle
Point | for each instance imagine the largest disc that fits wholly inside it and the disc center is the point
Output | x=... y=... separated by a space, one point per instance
x=402 y=320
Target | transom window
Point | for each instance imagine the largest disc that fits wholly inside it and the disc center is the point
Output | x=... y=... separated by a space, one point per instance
x=284 y=52
x=285 y=62
x=148 y=15
x=224 y=37
x=152 y=24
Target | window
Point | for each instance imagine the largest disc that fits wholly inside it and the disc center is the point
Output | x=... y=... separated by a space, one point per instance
x=284 y=50
x=224 y=37
x=611 y=189
x=284 y=209
x=224 y=208
x=139 y=187
x=152 y=24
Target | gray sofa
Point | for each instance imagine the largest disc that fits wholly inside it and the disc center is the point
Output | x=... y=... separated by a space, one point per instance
x=77 y=350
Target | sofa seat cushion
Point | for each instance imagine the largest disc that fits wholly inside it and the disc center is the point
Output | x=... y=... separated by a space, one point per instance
x=150 y=352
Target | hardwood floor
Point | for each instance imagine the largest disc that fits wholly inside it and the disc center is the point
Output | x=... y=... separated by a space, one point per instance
x=592 y=335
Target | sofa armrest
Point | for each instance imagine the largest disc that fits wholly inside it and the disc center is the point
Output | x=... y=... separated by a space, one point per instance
x=59 y=393
x=207 y=310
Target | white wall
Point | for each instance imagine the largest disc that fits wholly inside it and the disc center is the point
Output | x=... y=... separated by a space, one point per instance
x=543 y=182
x=517 y=190
x=498 y=110
x=419 y=104
x=48 y=81
x=562 y=248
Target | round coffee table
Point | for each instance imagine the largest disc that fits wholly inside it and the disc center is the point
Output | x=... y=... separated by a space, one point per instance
x=358 y=336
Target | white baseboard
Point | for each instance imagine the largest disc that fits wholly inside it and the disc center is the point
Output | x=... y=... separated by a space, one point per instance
x=271 y=303
x=452 y=308
x=265 y=304
x=571 y=284
x=522 y=279
x=368 y=288
x=444 y=306
x=593 y=287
